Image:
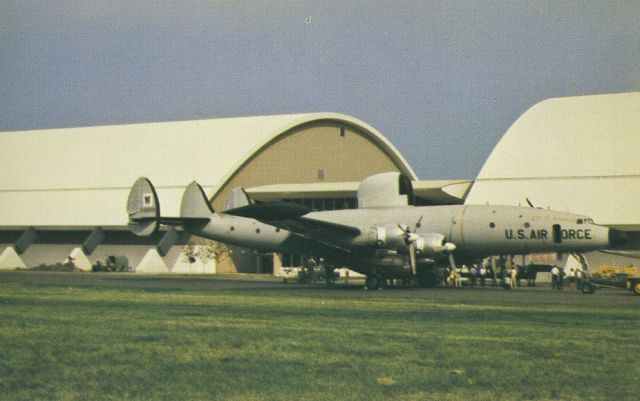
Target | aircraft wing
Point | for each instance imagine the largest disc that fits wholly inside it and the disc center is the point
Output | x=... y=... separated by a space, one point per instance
x=291 y=217
x=626 y=254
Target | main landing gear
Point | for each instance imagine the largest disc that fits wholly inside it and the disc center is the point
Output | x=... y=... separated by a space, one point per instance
x=426 y=277
x=373 y=282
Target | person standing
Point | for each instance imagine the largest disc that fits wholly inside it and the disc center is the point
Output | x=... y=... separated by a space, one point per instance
x=458 y=278
x=504 y=278
x=483 y=273
x=578 y=279
x=514 y=275
x=555 y=274
x=473 y=273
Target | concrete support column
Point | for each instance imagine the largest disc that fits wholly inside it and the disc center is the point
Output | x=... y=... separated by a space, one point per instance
x=78 y=257
x=93 y=240
x=10 y=260
x=152 y=262
x=168 y=240
x=26 y=239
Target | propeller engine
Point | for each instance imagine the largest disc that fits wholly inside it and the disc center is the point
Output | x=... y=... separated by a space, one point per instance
x=402 y=239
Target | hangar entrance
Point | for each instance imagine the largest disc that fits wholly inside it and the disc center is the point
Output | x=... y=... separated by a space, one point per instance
x=264 y=263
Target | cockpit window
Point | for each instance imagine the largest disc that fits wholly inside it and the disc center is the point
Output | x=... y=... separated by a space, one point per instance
x=579 y=221
x=589 y=221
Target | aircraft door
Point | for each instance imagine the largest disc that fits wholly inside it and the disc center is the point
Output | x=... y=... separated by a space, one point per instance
x=556 y=232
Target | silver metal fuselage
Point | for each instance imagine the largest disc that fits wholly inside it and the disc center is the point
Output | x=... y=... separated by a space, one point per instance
x=476 y=230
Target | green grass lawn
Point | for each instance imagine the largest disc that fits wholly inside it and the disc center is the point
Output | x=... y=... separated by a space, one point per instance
x=72 y=336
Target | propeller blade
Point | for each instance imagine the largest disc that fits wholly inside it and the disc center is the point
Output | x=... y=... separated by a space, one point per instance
x=418 y=224
x=412 y=256
x=452 y=261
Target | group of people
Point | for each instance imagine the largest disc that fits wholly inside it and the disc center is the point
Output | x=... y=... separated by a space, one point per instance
x=508 y=274
x=559 y=277
x=476 y=273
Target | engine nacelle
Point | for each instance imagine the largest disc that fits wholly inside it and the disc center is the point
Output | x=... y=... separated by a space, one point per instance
x=394 y=237
x=390 y=237
x=431 y=244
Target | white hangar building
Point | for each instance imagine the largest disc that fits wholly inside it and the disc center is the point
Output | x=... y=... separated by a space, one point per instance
x=63 y=192
x=577 y=154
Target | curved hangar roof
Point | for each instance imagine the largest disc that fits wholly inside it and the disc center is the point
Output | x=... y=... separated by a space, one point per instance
x=79 y=177
x=580 y=154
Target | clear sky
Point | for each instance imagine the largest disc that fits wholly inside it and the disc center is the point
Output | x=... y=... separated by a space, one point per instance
x=443 y=80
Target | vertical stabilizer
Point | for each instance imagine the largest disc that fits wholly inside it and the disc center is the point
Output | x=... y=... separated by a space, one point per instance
x=143 y=208
x=195 y=204
x=237 y=198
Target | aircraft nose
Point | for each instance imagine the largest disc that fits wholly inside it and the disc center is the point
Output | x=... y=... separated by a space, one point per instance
x=617 y=237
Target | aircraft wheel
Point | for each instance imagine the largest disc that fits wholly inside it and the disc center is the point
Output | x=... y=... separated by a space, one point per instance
x=373 y=282
x=636 y=288
x=588 y=288
x=426 y=277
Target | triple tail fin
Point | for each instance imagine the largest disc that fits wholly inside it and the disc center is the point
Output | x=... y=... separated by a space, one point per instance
x=237 y=198
x=143 y=208
x=195 y=204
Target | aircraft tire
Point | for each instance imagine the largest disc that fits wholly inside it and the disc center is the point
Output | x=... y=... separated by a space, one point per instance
x=373 y=282
x=427 y=277
x=588 y=288
x=636 y=287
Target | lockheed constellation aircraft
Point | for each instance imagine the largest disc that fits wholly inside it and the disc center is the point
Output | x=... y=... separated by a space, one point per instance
x=385 y=237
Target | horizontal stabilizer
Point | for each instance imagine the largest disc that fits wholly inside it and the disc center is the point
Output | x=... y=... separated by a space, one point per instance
x=143 y=207
x=272 y=211
x=626 y=254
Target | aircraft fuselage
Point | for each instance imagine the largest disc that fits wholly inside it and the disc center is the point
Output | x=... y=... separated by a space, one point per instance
x=477 y=231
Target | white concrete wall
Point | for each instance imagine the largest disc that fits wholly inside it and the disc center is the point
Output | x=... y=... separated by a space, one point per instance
x=48 y=254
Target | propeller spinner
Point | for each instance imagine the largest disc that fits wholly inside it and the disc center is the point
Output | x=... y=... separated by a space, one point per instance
x=416 y=243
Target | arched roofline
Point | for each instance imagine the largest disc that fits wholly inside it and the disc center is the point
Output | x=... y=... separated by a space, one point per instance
x=508 y=134
x=577 y=120
x=371 y=133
